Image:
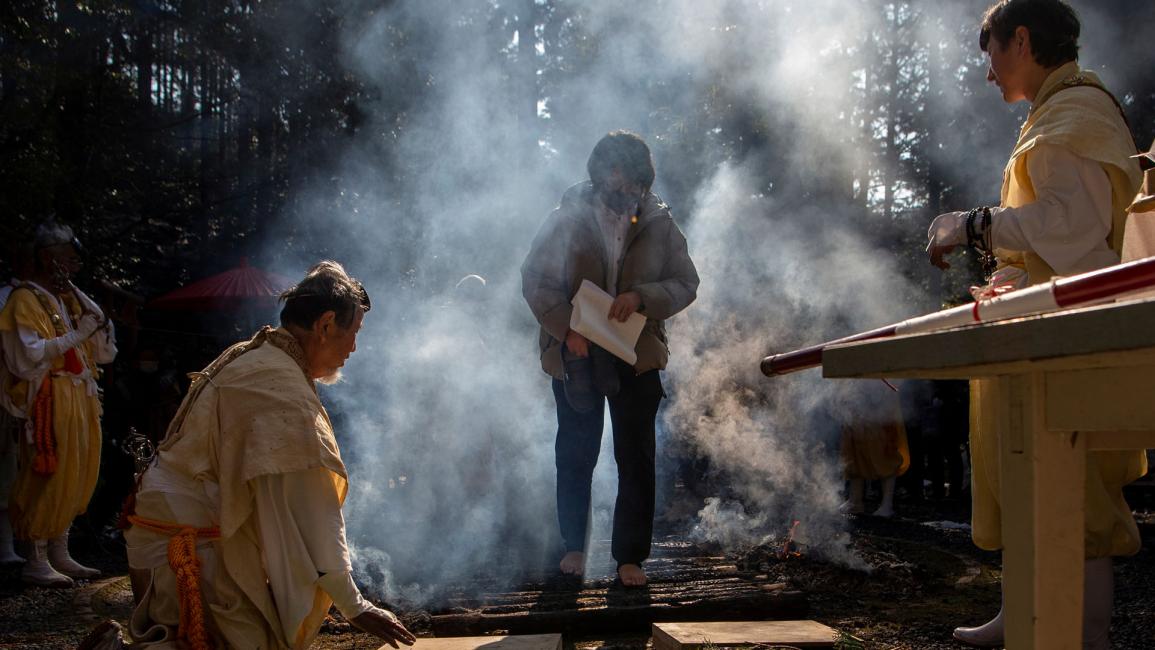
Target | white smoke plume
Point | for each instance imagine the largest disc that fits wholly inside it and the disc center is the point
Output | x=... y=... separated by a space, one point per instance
x=445 y=416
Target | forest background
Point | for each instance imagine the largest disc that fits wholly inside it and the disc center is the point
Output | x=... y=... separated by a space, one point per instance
x=179 y=136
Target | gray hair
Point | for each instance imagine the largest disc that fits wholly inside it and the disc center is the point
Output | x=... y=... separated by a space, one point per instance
x=53 y=233
x=326 y=287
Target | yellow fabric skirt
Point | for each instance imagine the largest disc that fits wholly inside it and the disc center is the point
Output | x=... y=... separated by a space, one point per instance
x=1110 y=527
x=43 y=506
x=875 y=451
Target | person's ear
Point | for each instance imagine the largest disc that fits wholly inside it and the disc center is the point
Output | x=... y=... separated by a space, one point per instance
x=1022 y=40
x=323 y=327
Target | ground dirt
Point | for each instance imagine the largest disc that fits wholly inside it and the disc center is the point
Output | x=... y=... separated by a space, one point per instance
x=924 y=581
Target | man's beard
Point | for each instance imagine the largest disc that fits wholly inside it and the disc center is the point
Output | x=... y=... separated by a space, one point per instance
x=331 y=378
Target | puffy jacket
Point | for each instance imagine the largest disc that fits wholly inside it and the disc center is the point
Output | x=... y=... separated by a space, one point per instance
x=570 y=248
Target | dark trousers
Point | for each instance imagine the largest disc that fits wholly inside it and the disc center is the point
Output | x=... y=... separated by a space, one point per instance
x=579 y=439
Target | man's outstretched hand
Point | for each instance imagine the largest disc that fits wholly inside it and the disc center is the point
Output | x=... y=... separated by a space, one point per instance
x=384 y=624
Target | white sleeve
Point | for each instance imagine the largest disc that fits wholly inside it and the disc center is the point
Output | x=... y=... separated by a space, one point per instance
x=1071 y=215
x=28 y=355
x=303 y=542
x=104 y=344
x=103 y=339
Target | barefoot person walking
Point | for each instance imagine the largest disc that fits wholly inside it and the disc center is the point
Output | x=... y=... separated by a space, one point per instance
x=614 y=232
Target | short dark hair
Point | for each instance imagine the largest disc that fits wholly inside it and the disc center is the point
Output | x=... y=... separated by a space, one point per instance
x=326 y=287
x=1053 y=25
x=626 y=152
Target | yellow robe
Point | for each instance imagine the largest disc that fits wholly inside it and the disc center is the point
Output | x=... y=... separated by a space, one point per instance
x=43 y=506
x=1085 y=121
x=251 y=416
x=876 y=447
x=1139 y=237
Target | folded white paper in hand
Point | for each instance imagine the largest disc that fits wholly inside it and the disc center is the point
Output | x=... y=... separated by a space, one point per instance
x=590 y=318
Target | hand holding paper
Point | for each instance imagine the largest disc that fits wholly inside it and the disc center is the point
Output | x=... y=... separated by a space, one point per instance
x=625 y=305
x=591 y=311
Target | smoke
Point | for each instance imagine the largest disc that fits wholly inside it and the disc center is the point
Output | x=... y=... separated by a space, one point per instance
x=769 y=281
x=445 y=417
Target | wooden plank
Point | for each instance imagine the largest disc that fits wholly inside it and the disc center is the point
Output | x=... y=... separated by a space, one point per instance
x=1061 y=340
x=626 y=618
x=520 y=642
x=1101 y=399
x=693 y=636
x=1042 y=478
x=685 y=585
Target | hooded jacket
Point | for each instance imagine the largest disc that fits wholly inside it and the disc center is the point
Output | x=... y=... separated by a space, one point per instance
x=570 y=248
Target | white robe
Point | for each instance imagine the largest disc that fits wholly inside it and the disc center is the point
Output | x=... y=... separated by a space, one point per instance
x=252 y=453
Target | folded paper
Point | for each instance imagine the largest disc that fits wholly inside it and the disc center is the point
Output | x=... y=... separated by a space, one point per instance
x=591 y=308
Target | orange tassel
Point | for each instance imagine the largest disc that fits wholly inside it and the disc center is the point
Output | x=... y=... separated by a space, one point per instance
x=182 y=558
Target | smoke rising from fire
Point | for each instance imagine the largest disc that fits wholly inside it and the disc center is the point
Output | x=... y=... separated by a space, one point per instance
x=445 y=417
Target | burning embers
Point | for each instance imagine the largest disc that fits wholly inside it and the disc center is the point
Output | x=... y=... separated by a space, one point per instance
x=787 y=551
x=766 y=557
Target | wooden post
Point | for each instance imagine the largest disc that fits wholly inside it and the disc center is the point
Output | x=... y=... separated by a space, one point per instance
x=1043 y=486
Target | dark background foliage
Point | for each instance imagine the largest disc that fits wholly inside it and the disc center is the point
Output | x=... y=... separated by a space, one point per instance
x=174 y=135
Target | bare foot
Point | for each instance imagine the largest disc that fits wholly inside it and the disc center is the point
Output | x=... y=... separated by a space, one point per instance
x=574 y=563
x=632 y=575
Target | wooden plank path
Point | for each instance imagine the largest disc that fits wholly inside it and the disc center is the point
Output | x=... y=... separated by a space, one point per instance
x=683 y=586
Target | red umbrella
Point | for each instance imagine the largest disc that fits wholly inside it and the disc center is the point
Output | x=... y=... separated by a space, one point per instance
x=234 y=289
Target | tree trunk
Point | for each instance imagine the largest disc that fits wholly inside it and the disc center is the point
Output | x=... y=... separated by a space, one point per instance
x=526 y=91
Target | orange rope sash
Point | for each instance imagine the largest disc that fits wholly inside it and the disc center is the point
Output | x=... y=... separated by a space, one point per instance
x=182 y=558
x=44 y=462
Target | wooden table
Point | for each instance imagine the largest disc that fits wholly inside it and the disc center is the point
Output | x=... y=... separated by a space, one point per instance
x=1068 y=382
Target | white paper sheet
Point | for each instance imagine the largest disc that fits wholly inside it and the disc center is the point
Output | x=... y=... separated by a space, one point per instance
x=591 y=308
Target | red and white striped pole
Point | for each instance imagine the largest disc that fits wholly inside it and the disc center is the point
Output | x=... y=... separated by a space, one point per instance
x=1102 y=285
